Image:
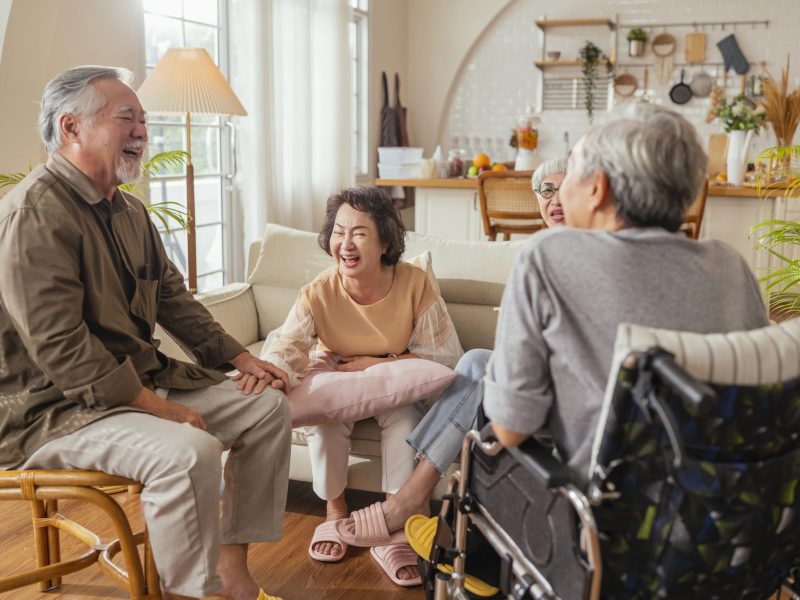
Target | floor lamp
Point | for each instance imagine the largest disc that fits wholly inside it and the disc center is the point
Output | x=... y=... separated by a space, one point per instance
x=187 y=81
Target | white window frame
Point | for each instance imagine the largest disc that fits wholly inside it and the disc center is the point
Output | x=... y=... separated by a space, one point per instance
x=224 y=159
x=361 y=88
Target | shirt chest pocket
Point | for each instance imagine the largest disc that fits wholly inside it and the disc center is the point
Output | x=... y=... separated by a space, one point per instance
x=145 y=301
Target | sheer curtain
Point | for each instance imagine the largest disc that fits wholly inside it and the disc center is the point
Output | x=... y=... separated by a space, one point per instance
x=290 y=66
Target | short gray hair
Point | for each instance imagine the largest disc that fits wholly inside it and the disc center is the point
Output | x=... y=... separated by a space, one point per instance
x=547 y=168
x=71 y=92
x=654 y=162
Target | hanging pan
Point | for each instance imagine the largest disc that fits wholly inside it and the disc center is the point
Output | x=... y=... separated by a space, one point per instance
x=680 y=93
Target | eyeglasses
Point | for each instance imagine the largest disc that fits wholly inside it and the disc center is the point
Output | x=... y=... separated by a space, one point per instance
x=547 y=191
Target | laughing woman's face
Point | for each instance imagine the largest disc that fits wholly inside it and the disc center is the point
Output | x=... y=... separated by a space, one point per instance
x=355 y=243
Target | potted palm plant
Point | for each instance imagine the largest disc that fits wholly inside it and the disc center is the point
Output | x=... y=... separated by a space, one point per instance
x=158 y=163
x=636 y=41
x=781 y=237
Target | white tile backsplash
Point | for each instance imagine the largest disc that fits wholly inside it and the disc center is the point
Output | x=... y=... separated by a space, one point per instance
x=498 y=79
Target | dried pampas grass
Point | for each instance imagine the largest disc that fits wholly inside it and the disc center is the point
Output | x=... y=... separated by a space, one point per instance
x=781 y=106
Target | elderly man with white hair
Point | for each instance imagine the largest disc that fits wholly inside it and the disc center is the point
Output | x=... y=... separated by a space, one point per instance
x=82 y=383
x=621 y=259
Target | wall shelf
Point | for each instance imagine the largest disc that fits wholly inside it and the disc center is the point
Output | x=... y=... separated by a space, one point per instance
x=546 y=64
x=550 y=23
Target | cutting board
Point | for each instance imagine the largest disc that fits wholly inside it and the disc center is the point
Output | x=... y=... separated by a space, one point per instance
x=717 y=149
x=695 y=47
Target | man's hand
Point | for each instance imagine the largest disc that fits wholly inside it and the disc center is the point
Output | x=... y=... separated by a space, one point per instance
x=255 y=374
x=149 y=401
x=359 y=363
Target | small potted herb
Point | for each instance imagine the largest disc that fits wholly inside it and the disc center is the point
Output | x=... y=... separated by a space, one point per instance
x=636 y=38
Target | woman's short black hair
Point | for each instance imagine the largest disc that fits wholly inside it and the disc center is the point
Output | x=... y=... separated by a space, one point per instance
x=378 y=205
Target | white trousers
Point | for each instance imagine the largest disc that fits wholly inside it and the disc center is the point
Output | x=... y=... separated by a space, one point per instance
x=180 y=467
x=329 y=448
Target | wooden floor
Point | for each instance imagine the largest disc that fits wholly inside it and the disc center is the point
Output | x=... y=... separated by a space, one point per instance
x=283 y=568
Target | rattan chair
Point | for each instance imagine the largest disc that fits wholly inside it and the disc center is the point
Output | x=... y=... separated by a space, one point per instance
x=508 y=204
x=694 y=216
x=43 y=489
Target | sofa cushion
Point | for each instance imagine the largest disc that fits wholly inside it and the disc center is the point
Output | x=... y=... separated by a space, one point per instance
x=326 y=395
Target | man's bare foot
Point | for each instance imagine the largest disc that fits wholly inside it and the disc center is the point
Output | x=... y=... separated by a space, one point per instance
x=237 y=582
x=336 y=509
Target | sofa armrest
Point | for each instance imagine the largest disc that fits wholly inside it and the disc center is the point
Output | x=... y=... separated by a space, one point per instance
x=234 y=307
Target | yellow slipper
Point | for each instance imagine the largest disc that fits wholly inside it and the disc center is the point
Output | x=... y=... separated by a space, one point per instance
x=420 y=531
x=262 y=595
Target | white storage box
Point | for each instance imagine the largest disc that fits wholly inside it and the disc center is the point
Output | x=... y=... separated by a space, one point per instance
x=399 y=155
x=412 y=171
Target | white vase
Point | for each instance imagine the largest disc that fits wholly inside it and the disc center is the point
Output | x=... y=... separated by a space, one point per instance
x=738 y=145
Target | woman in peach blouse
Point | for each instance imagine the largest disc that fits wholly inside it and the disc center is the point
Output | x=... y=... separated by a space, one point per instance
x=368 y=307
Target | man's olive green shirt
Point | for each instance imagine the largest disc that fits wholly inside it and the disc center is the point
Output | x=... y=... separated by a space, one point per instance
x=76 y=334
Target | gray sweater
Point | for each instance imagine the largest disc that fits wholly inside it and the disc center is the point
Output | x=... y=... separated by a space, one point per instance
x=568 y=291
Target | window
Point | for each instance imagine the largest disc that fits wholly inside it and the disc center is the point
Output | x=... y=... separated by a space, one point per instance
x=192 y=24
x=359 y=51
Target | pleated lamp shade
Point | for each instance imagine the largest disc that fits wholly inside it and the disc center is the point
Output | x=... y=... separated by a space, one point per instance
x=186 y=80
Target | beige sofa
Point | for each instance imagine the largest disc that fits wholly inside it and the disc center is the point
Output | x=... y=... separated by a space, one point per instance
x=471 y=275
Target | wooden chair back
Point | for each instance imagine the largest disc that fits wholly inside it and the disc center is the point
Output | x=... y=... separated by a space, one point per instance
x=43 y=489
x=508 y=203
x=694 y=216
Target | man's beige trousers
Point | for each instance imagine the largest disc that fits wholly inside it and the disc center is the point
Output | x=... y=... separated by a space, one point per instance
x=180 y=467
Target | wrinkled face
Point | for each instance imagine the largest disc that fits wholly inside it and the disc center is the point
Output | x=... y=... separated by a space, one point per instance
x=575 y=193
x=114 y=139
x=355 y=244
x=552 y=211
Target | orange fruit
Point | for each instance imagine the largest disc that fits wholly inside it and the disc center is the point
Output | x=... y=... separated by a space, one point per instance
x=498 y=167
x=481 y=160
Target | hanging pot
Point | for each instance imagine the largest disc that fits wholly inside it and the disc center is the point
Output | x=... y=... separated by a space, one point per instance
x=680 y=93
x=701 y=84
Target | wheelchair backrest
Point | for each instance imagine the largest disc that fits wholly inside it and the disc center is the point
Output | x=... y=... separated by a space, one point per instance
x=699 y=498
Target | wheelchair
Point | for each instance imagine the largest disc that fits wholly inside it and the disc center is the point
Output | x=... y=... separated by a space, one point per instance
x=692 y=493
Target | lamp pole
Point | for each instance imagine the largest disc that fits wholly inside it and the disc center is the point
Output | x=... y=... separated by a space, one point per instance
x=191 y=240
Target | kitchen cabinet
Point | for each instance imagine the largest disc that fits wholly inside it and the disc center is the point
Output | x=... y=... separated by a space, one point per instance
x=453 y=214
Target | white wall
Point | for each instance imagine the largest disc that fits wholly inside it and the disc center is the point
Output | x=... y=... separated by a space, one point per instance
x=5 y=9
x=389 y=40
x=44 y=37
x=498 y=80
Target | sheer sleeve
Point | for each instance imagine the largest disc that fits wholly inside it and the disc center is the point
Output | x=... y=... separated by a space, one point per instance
x=288 y=346
x=434 y=336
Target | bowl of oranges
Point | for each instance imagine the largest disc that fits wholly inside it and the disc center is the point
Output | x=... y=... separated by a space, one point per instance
x=482 y=163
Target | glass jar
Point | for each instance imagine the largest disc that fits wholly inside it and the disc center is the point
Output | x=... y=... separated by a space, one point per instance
x=456 y=163
x=527 y=135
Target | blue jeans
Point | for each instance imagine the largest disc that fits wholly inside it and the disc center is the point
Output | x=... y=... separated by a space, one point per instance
x=439 y=435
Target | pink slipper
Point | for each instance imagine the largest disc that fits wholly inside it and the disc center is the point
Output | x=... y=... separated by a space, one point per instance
x=326 y=532
x=370 y=529
x=395 y=557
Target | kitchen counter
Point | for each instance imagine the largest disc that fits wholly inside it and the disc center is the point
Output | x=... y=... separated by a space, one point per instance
x=472 y=184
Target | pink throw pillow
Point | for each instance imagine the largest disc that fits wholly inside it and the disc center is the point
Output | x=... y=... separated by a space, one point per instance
x=328 y=396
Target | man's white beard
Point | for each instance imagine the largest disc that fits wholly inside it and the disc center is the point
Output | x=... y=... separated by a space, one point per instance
x=129 y=170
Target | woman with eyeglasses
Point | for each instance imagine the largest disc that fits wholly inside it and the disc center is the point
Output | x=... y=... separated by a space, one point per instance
x=546 y=182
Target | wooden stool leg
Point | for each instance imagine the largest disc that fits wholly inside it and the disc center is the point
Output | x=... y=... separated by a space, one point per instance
x=506 y=236
x=150 y=571
x=53 y=540
x=40 y=541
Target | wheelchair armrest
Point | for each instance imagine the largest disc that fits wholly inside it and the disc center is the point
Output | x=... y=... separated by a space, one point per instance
x=538 y=460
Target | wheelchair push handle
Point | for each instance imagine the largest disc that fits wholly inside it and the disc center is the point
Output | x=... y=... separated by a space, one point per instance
x=691 y=391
